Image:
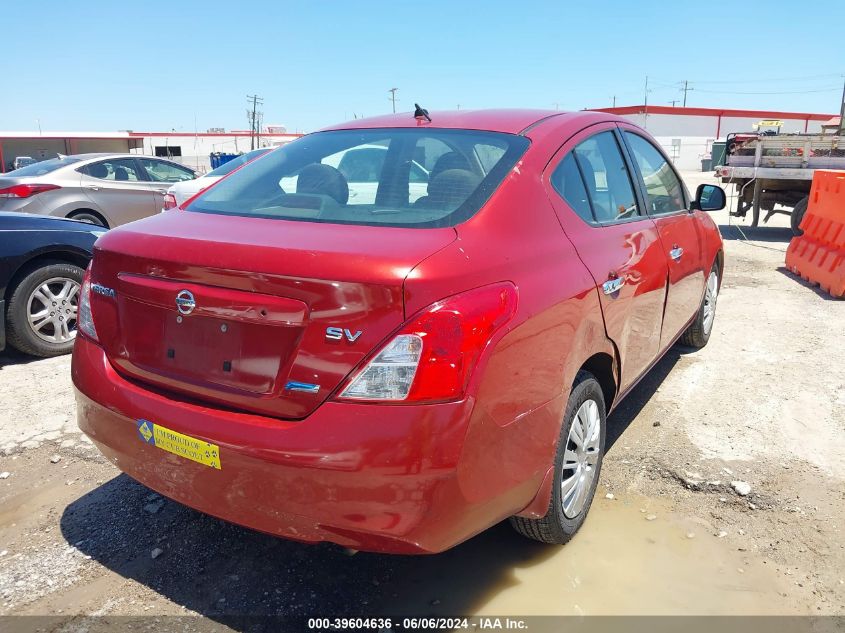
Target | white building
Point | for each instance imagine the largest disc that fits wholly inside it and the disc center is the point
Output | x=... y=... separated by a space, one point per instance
x=687 y=134
x=190 y=149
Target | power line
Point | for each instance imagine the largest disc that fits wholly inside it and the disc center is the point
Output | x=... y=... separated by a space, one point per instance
x=786 y=92
x=667 y=82
x=773 y=79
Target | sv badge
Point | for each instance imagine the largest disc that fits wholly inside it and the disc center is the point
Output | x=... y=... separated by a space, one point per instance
x=338 y=334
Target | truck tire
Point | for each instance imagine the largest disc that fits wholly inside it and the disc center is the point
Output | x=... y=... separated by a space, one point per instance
x=576 y=468
x=797 y=215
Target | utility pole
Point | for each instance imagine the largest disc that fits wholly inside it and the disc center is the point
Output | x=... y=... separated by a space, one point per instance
x=645 y=104
x=254 y=119
x=842 y=113
x=614 y=101
x=556 y=104
x=686 y=89
x=392 y=92
x=673 y=102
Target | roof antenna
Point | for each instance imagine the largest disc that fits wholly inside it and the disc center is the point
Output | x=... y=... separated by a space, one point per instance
x=420 y=113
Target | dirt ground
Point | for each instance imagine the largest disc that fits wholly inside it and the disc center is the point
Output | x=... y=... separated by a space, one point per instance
x=763 y=404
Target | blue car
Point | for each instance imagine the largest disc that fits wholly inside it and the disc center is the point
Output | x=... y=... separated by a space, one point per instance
x=42 y=260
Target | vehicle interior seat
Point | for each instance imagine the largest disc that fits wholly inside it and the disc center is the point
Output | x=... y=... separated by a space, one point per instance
x=120 y=173
x=446 y=162
x=450 y=189
x=323 y=180
x=98 y=170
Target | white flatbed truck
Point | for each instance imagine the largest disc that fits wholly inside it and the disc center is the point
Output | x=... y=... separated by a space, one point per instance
x=769 y=170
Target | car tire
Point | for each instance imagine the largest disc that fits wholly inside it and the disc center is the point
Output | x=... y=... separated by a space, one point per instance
x=29 y=299
x=797 y=215
x=698 y=333
x=91 y=217
x=570 y=502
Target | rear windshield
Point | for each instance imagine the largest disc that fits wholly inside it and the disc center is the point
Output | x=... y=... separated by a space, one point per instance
x=229 y=166
x=44 y=167
x=418 y=177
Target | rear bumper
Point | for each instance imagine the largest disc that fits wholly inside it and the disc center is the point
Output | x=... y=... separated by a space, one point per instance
x=369 y=477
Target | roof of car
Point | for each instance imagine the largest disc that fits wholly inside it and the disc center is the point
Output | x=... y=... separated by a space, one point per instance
x=91 y=155
x=504 y=120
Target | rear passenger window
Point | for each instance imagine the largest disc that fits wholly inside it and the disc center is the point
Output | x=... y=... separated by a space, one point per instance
x=606 y=176
x=118 y=169
x=567 y=181
x=665 y=192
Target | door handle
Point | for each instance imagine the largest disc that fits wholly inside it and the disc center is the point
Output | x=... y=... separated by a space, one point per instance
x=613 y=285
x=676 y=253
x=161 y=190
x=92 y=187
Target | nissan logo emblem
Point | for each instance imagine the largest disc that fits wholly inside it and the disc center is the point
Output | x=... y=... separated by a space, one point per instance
x=185 y=302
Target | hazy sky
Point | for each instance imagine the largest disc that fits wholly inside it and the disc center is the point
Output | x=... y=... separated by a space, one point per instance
x=158 y=65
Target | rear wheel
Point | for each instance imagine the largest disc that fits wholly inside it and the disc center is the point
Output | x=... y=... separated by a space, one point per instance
x=41 y=316
x=797 y=215
x=577 y=465
x=91 y=217
x=698 y=333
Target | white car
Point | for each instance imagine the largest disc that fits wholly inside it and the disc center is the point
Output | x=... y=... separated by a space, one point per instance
x=23 y=161
x=361 y=167
x=182 y=191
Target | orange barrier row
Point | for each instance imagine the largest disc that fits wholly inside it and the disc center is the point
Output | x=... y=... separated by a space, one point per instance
x=819 y=254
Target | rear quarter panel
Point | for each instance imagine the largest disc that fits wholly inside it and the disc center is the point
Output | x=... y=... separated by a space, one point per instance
x=523 y=380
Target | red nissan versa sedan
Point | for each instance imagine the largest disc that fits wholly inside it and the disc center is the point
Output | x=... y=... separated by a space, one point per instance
x=397 y=370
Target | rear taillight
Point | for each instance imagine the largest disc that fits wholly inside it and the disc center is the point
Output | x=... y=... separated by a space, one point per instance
x=25 y=191
x=169 y=201
x=432 y=357
x=84 y=318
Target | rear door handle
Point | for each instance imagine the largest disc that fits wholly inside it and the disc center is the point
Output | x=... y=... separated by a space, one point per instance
x=613 y=285
x=92 y=187
x=676 y=253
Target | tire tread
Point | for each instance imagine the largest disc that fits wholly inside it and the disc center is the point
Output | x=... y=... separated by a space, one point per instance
x=548 y=528
x=17 y=338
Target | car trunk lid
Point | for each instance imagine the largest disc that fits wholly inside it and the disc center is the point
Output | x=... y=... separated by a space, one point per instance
x=235 y=311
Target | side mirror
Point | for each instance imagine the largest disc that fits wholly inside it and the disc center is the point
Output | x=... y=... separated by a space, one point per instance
x=709 y=198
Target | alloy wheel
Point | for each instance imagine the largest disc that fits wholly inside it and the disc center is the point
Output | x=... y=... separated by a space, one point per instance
x=580 y=458
x=52 y=308
x=711 y=293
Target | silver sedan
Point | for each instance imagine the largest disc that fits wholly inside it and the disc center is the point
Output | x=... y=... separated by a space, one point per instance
x=104 y=189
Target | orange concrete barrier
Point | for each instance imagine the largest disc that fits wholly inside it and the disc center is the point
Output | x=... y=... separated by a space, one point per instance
x=819 y=254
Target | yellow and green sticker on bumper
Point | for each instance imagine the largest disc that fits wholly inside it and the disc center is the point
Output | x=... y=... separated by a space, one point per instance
x=180 y=444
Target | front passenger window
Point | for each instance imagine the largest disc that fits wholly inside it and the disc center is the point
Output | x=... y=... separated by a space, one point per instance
x=665 y=192
x=159 y=171
x=607 y=178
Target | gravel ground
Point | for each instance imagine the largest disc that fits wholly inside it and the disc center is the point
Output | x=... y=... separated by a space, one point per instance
x=722 y=493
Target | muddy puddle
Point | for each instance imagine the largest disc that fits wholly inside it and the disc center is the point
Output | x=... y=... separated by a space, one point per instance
x=622 y=562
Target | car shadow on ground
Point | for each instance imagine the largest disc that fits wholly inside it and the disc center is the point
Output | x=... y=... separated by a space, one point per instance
x=735 y=232
x=224 y=572
x=11 y=356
